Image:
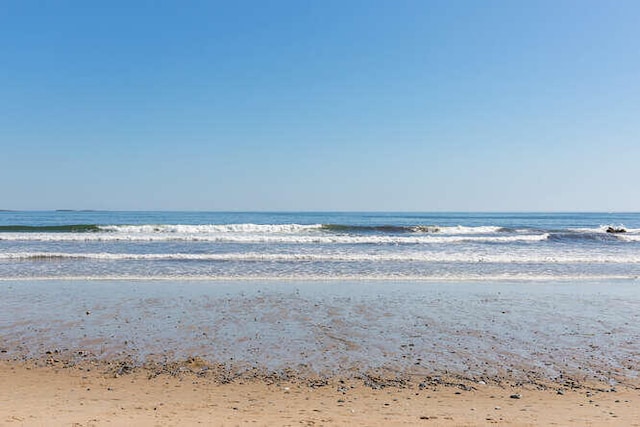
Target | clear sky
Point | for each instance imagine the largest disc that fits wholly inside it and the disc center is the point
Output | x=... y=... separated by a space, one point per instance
x=320 y=105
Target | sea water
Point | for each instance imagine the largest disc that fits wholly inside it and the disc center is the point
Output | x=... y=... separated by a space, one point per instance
x=519 y=296
x=97 y=245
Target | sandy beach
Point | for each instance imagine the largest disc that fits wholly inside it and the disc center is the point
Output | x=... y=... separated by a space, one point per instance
x=318 y=353
x=319 y=213
x=93 y=395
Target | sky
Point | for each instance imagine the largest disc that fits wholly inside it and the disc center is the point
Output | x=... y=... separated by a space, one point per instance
x=346 y=105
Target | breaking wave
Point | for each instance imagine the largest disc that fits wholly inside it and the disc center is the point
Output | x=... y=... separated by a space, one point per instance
x=271 y=238
x=411 y=229
x=248 y=228
x=211 y=228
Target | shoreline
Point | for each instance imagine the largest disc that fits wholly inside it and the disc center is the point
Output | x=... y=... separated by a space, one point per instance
x=392 y=353
x=100 y=393
x=374 y=378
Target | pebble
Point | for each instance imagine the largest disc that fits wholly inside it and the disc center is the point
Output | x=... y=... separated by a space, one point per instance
x=516 y=396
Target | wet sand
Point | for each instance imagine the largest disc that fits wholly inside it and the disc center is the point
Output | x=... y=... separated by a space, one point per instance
x=368 y=353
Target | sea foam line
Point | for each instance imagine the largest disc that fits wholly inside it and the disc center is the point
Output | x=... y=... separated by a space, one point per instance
x=507 y=277
x=269 y=238
x=500 y=258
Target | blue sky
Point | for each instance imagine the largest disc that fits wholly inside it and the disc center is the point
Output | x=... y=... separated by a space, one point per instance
x=320 y=105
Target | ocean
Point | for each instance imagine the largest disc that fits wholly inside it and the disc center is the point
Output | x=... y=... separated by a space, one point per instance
x=440 y=247
x=525 y=297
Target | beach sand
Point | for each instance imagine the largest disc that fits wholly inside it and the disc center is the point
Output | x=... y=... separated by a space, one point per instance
x=92 y=395
x=188 y=353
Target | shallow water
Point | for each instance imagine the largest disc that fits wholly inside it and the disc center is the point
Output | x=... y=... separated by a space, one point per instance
x=516 y=330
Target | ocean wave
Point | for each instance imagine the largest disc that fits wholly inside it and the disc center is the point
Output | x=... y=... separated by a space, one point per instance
x=310 y=233
x=583 y=237
x=296 y=228
x=73 y=228
x=435 y=257
x=608 y=229
x=459 y=229
x=271 y=238
x=210 y=228
x=629 y=237
x=249 y=228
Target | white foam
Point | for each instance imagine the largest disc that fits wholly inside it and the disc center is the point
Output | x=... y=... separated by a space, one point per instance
x=432 y=257
x=459 y=229
x=603 y=229
x=209 y=228
x=629 y=237
x=229 y=237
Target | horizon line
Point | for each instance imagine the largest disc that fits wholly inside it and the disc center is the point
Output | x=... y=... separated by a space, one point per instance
x=327 y=211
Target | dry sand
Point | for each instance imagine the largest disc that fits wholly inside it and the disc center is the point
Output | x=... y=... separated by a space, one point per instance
x=93 y=394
